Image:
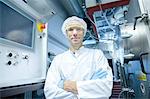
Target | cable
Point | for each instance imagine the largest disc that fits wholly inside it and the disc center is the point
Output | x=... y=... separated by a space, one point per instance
x=92 y=36
x=89 y=18
x=120 y=94
x=108 y=23
x=85 y=11
x=128 y=90
x=104 y=14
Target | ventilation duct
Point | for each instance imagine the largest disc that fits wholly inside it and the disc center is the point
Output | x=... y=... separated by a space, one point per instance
x=41 y=11
x=72 y=7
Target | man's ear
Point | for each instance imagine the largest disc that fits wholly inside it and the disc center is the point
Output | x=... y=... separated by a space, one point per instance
x=67 y=35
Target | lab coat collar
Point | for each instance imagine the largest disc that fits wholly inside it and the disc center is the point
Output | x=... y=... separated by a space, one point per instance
x=77 y=52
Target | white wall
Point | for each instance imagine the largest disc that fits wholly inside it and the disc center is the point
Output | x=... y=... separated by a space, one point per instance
x=57 y=42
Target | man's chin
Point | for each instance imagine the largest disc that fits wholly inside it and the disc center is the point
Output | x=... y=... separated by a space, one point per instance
x=75 y=42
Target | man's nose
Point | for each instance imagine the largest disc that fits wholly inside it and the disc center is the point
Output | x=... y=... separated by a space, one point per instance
x=75 y=32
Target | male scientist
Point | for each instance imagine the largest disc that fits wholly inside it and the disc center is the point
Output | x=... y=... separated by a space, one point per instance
x=79 y=73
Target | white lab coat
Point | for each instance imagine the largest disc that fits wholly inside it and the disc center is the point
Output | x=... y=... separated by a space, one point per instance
x=88 y=67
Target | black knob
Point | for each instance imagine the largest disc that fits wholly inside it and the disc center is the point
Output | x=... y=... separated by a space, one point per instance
x=9 y=62
x=10 y=54
x=26 y=57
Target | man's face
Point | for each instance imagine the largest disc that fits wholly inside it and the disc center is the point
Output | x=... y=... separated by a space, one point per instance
x=75 y=35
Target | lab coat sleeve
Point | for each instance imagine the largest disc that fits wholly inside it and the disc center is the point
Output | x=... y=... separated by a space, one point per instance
x=100 y=84
x=51 y=88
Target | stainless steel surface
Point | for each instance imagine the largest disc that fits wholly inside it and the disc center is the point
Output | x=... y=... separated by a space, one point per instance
x=138 y=43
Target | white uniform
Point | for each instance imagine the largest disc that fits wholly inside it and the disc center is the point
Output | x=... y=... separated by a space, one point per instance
x=88 y=67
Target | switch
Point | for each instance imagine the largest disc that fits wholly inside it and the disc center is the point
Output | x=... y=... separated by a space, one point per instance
x=26 y=57
x=9 y=62
x=10 y=55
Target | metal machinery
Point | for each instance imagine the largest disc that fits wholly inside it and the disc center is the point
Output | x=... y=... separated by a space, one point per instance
x=29 y=29
x=137 y=67
x=122 y=31
x=23 y=47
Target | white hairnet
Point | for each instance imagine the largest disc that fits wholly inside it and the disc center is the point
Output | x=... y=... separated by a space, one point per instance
x=71 y=20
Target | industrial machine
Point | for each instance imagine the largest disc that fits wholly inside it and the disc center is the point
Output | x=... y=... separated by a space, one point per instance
x=23 y=43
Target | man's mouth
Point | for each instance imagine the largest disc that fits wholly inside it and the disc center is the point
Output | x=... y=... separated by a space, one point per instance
x=74 y=38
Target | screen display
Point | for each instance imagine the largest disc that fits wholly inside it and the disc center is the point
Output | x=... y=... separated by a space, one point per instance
x=15 y=27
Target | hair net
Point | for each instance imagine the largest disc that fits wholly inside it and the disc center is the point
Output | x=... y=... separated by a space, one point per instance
x=74 y=20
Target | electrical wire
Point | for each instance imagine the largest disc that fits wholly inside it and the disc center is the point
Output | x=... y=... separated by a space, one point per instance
x=119 y=96
x=104 y=15
x=85 y=11
x=93 y=36
x=111 y=27
x=97 y=38
x=128 y=90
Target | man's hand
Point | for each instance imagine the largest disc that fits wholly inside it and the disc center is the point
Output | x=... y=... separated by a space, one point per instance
x=70 y=86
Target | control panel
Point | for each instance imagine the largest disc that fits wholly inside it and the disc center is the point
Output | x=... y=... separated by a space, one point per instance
x=19 y=66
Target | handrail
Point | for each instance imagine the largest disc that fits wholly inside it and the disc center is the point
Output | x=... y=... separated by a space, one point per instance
x=141 y=62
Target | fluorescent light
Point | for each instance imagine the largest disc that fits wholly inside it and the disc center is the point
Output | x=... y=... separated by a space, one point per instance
x=129 y=56
x=126 y=35
x=87 y=42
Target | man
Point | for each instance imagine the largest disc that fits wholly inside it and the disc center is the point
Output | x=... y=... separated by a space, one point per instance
x=79 y=73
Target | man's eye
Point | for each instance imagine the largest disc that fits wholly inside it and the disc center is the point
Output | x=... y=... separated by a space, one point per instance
x=70 y=29
x=78 y=29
